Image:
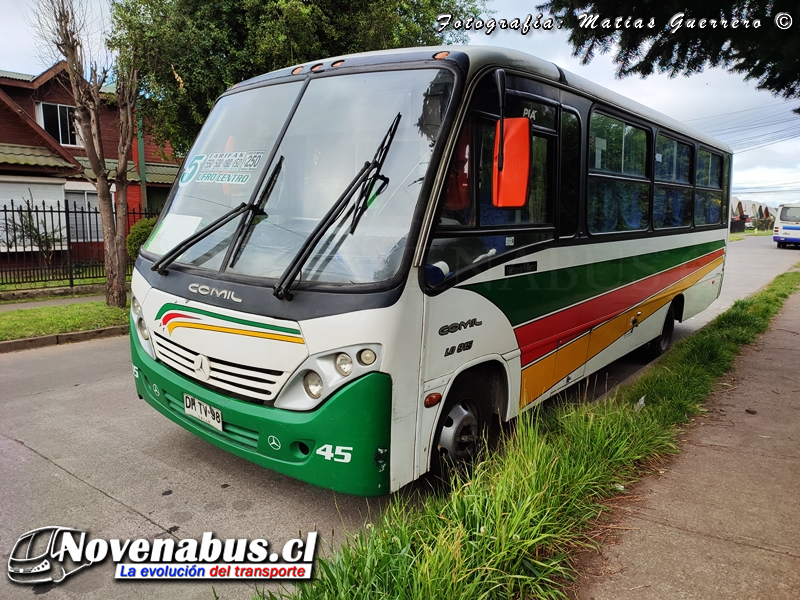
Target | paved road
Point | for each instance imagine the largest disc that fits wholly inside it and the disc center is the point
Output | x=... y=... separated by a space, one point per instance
x=79 y=449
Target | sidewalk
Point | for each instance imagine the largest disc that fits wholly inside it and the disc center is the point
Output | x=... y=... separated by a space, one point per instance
x=50 y=302
x=722 y=519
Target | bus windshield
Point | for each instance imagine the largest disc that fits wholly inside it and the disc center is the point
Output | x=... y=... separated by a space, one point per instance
x=338 y=125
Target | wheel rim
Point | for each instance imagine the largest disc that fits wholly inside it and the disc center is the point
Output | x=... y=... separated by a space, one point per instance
x=459 y=438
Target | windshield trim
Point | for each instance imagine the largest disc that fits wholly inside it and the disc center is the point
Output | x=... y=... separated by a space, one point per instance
x=401 y=275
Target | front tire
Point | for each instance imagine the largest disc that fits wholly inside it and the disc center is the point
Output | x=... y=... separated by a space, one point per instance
x=463 y=427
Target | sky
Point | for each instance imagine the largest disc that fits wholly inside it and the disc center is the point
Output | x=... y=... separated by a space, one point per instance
x=716 y=102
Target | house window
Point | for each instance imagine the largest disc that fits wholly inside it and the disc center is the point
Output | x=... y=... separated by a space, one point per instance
x=84 y=216
x=59 y=121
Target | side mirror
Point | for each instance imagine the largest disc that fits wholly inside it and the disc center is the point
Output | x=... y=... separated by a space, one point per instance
x=510 y=180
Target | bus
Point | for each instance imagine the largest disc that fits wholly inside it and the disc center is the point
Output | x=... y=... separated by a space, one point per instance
x=786 y=229
x=369 y=263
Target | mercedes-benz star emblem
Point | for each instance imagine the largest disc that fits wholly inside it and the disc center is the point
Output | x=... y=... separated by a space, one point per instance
x=274 y=442
x=201 y=367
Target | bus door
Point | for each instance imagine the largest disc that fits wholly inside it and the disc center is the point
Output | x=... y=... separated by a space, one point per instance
x=477 y=300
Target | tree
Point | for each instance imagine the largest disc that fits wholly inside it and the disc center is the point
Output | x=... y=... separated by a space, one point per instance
x=65 y=26
x=198 y=48
x=678 y=43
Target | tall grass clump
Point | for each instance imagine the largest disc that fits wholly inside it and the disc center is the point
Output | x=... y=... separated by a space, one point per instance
x=507 y=530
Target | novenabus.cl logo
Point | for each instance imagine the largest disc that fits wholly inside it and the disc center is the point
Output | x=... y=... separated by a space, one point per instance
x=39 y=555
x=49 y=554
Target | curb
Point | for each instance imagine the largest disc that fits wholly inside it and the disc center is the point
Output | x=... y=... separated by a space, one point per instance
x=62 y=338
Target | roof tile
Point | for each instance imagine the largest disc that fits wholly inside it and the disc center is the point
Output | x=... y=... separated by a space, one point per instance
x=38 y=156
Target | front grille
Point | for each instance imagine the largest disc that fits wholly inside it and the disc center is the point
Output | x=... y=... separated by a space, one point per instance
x=243 y=382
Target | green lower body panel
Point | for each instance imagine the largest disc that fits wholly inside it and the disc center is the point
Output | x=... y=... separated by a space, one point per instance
x=342 y=445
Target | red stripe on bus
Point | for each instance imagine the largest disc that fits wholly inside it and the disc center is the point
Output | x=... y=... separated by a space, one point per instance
x=540 y=337
x=174 y=315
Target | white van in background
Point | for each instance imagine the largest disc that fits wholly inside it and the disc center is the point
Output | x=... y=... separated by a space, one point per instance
x=787 y=225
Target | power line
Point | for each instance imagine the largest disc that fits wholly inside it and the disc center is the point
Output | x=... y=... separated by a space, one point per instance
x=736 y=112
x=795 y=191
x=767 y=142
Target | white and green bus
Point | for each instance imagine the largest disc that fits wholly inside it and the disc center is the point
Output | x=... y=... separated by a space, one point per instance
x=370 y=262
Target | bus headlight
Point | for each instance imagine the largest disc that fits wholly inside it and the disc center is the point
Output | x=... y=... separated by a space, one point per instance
x=142 y=328
x=344 y=364
x=366 y=357
x=137 y=317
x=135 y=306
x=312 y=383
x=322 y=374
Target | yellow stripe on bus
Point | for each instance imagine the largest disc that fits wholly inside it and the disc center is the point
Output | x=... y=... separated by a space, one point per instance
x=610 y=332
x=545 y=373
x=259 y=334
x=537 y=379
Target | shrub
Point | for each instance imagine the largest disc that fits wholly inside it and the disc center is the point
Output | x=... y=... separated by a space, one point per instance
x=763 y=224
x=138 y=235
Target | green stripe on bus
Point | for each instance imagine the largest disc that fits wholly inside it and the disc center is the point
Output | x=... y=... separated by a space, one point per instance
x=529 y=297
x=200 y=311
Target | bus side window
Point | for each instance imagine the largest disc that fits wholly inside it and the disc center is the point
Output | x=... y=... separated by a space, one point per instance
x=570 y=175
x=672 y=199
x=466 y=236
x=618 y=196
x=708 y=197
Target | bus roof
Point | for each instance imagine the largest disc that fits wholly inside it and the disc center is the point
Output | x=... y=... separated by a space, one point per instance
x=480 y=57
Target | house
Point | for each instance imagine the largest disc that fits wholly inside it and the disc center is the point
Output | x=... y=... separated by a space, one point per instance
x=42 y=155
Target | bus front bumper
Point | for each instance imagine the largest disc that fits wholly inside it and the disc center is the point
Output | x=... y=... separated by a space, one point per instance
x=788 y=240
x=342 y=445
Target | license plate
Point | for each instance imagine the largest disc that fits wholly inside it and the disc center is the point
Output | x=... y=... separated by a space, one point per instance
x=200 y=410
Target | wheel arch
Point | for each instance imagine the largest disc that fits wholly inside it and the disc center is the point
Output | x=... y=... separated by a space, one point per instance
x=492 y=368
x=495 y=371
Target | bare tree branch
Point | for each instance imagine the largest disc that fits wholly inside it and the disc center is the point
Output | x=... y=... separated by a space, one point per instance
x=65 y=27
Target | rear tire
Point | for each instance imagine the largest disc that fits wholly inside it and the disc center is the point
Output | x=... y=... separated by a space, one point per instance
x=781 y=245
x=663 y=342
x=463 y=427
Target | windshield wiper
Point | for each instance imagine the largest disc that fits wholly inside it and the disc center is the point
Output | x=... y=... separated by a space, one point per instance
x=248 y=223
x=162 y=263
x=366 y=178
x=367 y=197
x=167 y=259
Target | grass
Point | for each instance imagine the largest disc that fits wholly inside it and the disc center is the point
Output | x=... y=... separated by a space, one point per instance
x=49 y=320
x=735 y=238
x=508 y=530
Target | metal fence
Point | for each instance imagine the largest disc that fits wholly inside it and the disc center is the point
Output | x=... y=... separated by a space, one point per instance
x=60 y=243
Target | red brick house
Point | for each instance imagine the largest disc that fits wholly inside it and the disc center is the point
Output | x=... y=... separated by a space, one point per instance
x=41 y=156
x=40 y=151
